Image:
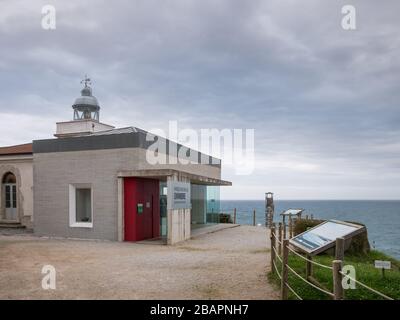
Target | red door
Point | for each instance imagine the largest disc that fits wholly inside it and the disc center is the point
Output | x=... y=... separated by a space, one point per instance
x=141 y=207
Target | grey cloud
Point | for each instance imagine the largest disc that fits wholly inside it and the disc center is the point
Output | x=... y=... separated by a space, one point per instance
x=286 y=69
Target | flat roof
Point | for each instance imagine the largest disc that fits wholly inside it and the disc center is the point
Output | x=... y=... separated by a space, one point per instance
x=129 y=137
x=17 y=149
x=162 y=174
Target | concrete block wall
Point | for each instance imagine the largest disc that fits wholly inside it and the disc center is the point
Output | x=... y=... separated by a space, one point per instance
x=178 y=226
x=54 y=172
x=179 y=221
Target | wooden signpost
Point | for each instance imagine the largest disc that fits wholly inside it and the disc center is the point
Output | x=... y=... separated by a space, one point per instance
x=323 y=236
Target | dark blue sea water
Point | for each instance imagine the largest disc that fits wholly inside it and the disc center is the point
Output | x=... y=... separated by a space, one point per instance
x=382 y=218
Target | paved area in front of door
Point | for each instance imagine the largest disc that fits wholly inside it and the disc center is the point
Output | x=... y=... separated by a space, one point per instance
x=228 y=264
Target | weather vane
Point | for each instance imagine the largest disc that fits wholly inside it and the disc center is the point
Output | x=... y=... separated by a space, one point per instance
x=86 y=80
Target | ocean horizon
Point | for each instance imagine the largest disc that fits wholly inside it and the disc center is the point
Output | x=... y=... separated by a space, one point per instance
x=381 y=217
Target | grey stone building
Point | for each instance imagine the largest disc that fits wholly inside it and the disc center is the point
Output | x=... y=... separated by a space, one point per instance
x=97 y=182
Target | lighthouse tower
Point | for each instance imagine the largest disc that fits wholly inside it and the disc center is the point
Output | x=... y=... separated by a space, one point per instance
x=86 y=118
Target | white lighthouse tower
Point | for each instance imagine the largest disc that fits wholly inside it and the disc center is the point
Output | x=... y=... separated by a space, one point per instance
x=86 y=118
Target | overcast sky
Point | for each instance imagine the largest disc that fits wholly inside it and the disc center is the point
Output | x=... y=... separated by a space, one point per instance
x=324 y=102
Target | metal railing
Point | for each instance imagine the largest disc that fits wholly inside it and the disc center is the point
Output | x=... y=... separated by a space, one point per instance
x=234 y=213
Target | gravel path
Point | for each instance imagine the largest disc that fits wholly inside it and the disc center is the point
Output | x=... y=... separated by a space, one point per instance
x=228 y=264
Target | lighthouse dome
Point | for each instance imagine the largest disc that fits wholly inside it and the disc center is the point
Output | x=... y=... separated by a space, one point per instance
x=86 y=106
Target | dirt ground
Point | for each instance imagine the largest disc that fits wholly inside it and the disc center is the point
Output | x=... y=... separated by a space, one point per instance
x=228 y=264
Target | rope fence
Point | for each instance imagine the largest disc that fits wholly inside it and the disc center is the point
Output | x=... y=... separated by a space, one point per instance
x=366 y=287
x=309 y=260
x=280 y=250
x=277 y=255
x=277 y=272
x=294 y=292
x=311 y=284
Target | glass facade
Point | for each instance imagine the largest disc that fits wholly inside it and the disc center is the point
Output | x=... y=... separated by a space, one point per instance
x=205 y=202
x=213 y=204
x=199 y=203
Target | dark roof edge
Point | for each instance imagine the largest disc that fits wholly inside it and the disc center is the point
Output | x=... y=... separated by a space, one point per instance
x=19 y=149
x=111 y=141
x=17 y=154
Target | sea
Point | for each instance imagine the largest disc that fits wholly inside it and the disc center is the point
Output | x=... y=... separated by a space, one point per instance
x=381 y=217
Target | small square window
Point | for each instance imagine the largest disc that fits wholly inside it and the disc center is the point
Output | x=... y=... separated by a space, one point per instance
x=81 y=205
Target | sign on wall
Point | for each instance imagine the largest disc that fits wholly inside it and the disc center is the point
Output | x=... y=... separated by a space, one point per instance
x=178 y=195
x=324 y=235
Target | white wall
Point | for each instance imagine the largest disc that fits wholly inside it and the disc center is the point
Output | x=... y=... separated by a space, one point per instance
x=80 y=126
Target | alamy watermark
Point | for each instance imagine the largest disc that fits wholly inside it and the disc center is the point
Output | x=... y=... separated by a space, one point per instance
x=350 y=274
x=234 y=146
x=49 y=279
x=49 y=17
x=349 y=18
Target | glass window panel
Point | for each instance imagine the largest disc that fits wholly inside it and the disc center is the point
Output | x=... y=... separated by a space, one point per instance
x=213 y=204
x=83 y=205
x=199 y=203
x=8 y=197
x=14 y=196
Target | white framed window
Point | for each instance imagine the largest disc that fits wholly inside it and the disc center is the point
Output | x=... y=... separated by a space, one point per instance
x=80 y=205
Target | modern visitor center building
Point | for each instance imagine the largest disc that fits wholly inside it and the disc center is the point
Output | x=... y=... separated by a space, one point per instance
x=95 y=181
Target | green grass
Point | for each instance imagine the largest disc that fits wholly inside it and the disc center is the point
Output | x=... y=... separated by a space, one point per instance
x=365 y=273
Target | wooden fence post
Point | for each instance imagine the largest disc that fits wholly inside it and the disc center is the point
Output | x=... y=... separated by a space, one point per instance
x=339 y=250
x=290 y=227
x=284 y=231
x=272 y=237
x=234 y=215
x=280 y=239
x=309 y=267
x=284 y=288
x=254 y=217
x=271 y=217
x=337 y=279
